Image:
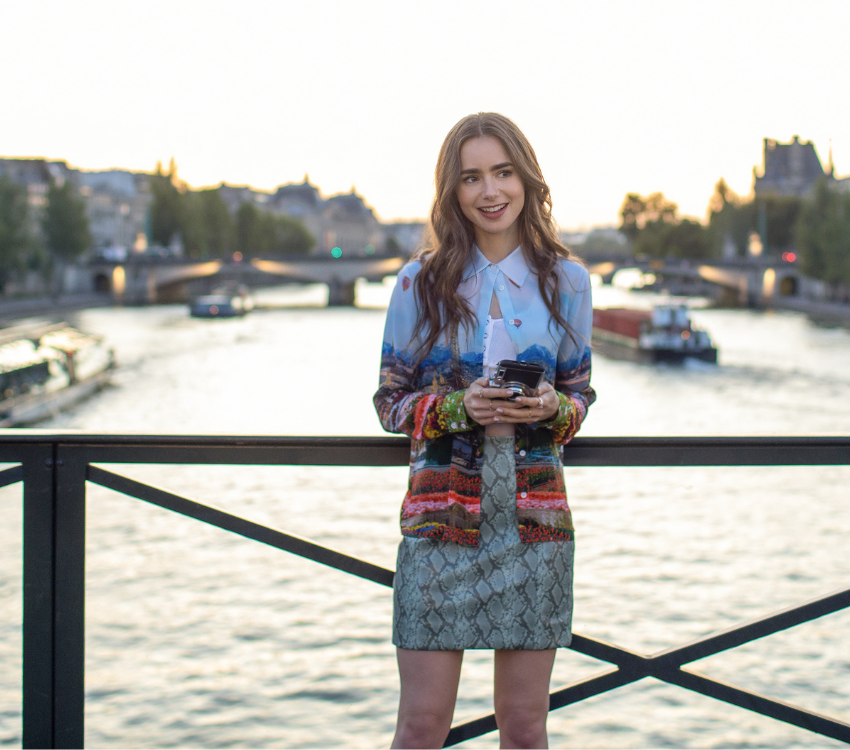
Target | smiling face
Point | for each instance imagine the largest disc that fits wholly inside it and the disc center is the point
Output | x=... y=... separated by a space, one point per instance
x=491 y=195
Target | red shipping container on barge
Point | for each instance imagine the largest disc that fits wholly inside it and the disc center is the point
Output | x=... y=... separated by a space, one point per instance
x=664 y=334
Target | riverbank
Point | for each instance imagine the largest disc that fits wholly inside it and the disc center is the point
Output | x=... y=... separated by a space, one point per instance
x=13 y=310
x=822 y=313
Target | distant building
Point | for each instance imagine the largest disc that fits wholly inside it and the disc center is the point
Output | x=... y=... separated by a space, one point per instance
x=235 y=195
x=789 y=169
x=117 y=201
x=343 y=221
x=351 y=225
x=117 y=204
x=35 y=175
x=406 y=236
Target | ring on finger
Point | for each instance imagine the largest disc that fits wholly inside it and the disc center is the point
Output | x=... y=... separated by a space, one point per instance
x=539 y=402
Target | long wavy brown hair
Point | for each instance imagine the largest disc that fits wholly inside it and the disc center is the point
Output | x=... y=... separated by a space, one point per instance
x=448 y=246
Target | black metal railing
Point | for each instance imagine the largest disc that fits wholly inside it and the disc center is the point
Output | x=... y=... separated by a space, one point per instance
x=54 y=469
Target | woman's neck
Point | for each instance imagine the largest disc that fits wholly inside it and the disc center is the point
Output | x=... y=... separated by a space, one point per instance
x=496 y=247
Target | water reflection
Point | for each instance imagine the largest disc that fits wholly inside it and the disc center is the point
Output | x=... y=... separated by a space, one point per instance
x=198 y=638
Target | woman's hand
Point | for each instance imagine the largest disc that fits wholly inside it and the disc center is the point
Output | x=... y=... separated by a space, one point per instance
x=490 y=405
x=531 y=408
x=482 y=402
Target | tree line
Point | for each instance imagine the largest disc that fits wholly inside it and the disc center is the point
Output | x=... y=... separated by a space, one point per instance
x=208 y=229
x=64 y=231
x=201 y=218
x=815 y=228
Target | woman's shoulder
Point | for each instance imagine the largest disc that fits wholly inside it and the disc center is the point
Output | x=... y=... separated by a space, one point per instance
x=410 y=269
x=404 y=297
x=574 y=275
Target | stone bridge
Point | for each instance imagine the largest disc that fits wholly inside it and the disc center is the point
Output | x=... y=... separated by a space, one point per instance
x=145 y=280
x=751 y=283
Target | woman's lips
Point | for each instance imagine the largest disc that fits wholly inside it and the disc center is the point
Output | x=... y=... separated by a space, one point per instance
x=488 y=213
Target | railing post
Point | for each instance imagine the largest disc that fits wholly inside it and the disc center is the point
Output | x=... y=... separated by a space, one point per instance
x=70 y=592
x=54 y=597
x=38 y=624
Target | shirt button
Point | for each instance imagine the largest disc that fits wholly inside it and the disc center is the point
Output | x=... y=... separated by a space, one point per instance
x=502 y=288
x=454 y=425
x=522 y=453
x=523 y=494
x=493 y=266
x=463 y=425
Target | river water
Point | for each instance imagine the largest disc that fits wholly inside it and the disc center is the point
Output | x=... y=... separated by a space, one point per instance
x=198 y=638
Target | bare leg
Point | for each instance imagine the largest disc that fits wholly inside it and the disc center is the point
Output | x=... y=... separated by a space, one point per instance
x=521 y=697
x=428 y=692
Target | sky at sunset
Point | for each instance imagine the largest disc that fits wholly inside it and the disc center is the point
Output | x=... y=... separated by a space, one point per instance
x=615 y=97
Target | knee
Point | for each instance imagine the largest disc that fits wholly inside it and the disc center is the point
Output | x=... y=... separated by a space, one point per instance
x=422 y=729
x=522 y=726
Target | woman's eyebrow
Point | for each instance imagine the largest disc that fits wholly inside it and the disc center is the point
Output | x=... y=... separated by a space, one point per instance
x=494 y=168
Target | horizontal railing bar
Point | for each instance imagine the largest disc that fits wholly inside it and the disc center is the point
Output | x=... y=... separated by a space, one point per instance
x=11 y=475
x=267 y=455
x=761 y=704
x=752 y=630
x=394 y=451
x=287 y=542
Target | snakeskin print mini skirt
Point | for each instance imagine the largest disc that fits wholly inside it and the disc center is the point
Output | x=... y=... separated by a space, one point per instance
x=503 y=594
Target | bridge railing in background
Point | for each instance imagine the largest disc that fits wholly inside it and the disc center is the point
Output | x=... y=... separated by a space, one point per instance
x=54 y=469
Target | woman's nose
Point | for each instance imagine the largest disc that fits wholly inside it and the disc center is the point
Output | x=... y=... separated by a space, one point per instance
x=491 y=190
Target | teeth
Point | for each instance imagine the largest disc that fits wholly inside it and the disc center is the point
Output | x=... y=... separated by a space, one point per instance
x=493 y=209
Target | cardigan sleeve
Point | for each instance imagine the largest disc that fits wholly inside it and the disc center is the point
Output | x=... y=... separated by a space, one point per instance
x=400 y=405
x=572 y=373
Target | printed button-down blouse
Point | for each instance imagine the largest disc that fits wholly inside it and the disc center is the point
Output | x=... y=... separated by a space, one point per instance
x=425 y=400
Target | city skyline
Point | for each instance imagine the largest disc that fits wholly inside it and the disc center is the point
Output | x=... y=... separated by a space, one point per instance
x=666 y=98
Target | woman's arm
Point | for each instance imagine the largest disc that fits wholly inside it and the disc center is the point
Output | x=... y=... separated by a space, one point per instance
x=401 y=407
x=572 y=375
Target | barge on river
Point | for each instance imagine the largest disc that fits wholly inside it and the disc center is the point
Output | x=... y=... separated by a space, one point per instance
x=46 y=369
x=664 y=334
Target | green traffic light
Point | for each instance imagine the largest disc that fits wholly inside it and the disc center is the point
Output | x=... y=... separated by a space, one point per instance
x=336 y=252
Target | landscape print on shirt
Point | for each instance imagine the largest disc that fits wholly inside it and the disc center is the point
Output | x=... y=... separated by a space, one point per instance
x=423 y=398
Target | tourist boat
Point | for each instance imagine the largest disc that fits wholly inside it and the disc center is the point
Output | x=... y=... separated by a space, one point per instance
x=222 y=303
x=663 y=334
x=46 y=369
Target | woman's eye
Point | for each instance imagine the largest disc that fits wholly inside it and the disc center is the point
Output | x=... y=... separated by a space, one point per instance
x=505 y=173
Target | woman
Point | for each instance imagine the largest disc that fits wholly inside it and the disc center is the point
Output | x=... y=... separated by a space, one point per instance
x=486 y=554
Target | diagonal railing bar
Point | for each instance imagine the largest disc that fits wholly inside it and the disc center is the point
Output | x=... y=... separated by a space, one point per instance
x=754 y=629
x=11 y=475
x=760 y=704
x=470 y=730
x=579 y=691
x=587 y=688
x=287 y=542
x=666 y=666
x=603 y=651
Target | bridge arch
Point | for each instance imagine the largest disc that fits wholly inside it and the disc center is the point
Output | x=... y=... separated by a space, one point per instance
x=789 y=285
x=102 y=282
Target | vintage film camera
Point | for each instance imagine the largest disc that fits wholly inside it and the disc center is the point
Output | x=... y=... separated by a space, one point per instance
x=522 y=378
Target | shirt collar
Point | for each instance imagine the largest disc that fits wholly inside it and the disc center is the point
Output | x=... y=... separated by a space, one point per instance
x=514 y=266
